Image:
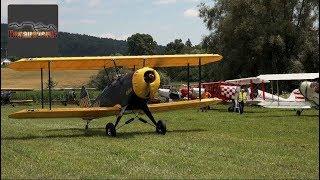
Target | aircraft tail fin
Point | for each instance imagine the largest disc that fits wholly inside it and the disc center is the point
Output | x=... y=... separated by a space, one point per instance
x=84 y=98
x=296 y=96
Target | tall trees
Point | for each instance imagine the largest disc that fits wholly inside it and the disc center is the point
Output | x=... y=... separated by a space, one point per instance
x=188 y=43
x=141 y=44
x=263 y=36
x=175 y=47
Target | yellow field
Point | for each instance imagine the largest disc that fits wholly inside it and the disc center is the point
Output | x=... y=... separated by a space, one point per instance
x=31 y=79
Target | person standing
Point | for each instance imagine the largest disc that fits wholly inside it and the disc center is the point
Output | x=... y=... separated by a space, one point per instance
x=235 y=100
x=242 y=98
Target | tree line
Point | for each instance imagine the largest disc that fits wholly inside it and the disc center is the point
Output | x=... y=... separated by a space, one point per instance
x=254 y=37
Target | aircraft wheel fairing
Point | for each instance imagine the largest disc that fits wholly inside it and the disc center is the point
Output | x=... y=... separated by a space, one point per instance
x=161 y=127
x=110 y=130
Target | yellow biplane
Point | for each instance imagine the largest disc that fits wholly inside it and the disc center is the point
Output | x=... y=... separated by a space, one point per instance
x=128 y=93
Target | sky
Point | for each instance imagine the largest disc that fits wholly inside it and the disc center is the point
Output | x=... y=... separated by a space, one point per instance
x=164 y=20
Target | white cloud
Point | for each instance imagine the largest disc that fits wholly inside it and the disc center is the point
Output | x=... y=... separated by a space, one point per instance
x=88 y=21
x=113 y=36
x=191 y=13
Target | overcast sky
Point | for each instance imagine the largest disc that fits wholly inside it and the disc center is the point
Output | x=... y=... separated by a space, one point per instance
x=164 y=20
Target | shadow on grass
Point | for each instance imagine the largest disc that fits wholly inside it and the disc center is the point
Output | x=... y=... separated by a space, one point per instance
x=95 y=132
x=226 y=110
x=287 y=115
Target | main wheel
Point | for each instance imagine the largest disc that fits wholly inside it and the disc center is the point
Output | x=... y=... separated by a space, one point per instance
x=298 y=112
x=110 y=130
x=161 y=127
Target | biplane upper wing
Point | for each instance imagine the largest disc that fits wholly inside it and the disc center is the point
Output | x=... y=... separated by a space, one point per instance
x=98 y=112
x=100 y=62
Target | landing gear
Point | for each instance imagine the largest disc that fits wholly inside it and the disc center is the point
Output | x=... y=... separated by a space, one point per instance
x=230 y=109
x=161 y=127
x=298 y=113
x=87 y=125
x=110 y=130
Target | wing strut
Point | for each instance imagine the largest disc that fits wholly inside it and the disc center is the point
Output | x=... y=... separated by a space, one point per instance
x=200 y=79
x=116 y=67
x=144 y=62
x=42 y=100
x=188 y=81
x=278 y=92
x=49 y=82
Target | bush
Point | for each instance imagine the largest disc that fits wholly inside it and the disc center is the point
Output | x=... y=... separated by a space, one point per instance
x=165 y=79
x=105 y=77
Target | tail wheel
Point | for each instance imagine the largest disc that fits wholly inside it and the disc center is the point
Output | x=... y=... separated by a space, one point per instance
x=110 y=130
x=161 y=127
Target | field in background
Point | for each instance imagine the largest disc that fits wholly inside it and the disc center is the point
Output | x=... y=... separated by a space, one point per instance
x=31 y=79
x=262 y=143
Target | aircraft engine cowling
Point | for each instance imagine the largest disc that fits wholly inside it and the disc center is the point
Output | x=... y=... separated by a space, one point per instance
x=145 y=82
x=310 y=90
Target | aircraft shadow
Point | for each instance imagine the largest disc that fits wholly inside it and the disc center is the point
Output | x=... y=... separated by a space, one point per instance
x=95 y=132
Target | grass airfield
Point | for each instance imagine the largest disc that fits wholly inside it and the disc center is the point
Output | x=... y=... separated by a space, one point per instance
x=31 y=79
x=262 y=143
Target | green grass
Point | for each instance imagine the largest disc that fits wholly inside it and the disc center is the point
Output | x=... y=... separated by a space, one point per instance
x=261 y=143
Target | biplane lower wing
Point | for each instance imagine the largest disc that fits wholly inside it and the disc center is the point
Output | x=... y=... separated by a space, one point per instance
x=98 y=112
x=285 y=105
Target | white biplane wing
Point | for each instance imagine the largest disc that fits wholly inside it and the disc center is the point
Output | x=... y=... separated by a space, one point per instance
x=293 y=76
x=285 y=105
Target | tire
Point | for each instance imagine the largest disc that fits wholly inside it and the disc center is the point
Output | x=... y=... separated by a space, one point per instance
x=110 y=130
x=298 y=113
x=230 y=109
x=161 y=127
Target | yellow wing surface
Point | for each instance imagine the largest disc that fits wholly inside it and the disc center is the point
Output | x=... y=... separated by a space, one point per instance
x=99 y=62
x=106 y=111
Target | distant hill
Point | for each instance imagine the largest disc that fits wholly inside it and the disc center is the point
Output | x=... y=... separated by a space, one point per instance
x=71 y=44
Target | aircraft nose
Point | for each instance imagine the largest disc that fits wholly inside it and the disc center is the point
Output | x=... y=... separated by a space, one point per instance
x=145 y=82
x=149 y=77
